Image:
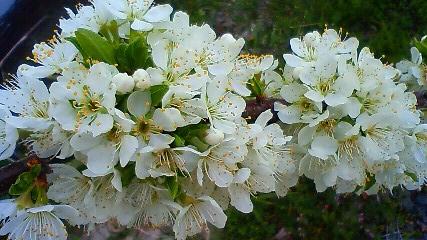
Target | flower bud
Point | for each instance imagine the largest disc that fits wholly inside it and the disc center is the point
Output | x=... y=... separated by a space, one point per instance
x=213 y=136
x=142 y=79
x=124 y=83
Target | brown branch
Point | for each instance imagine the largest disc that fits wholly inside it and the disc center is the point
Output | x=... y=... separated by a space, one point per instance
x=9 y=173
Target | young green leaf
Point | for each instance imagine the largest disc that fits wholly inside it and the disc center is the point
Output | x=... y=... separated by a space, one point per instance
x=157 y=93
x=137 y=54
x=95 y=47
x=25 y=181
x=111 y=32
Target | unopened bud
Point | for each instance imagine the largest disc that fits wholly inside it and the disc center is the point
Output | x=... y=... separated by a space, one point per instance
x=142 y=79
x=124 y=83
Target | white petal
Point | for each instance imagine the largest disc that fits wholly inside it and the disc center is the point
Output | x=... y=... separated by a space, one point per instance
x=240 y=198
x=141 y=25
x=100 y=159
x=263 y=118
x=158 y=13
x=323 y=147
x=128 y=146
x=139 y=103
x=293 y=61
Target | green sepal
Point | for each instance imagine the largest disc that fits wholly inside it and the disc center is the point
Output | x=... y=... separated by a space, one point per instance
x=127 y=174
x=173 y=187
x=39 y=196
x=178 y=141
x=25 y=181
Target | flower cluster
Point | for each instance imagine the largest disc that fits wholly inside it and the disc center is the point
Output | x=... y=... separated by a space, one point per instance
x=151 y=110
x=358 y=127
x=148 y=110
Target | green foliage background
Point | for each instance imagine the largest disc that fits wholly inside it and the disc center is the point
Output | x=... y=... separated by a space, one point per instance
x=385 y=26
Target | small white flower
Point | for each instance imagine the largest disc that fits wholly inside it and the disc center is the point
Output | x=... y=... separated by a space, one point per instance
x=220 y=161
x=87 y=17
x=53 y=58
x=313 y=45
x=193 y=218
x=382 y=140
x=149 y=206
x=325 y=84
x=84 y=100
x=106 y=150
x=140 y=13
x=28 y=98
x=159 y=159
x=41 y=223
x=224 y=110
x=413 y=71
x=8 y=136
x=175 y=63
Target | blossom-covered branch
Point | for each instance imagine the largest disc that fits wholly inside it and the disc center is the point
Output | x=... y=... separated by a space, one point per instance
x=167 y=123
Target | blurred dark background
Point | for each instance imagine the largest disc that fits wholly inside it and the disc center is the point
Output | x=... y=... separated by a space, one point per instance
x=386 y=26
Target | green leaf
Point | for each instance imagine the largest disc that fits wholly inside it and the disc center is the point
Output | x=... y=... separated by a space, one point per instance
x=173 y=187
x=121 y=58
x=179 y=141
x=413 y=176
x=25 y=181
x=157 y=93
x=74 y=41
x=137 y=54
x=95 y=47
x=111 y=32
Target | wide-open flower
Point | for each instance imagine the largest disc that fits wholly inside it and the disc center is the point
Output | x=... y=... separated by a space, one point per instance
x=28 y=98
x=140 y=13
x=147 y=205
x=223 y=110
x=175 y=63
x=40 y=223
x=53 y=57
x=300 y=108
x=325 y=84
x=381 y=140
x=193 y=218
x=87 y=17
x=313 y=45
x=69 y=186
x=51 y=142
x=220 y=161
x=84 y=100
x=105 y=151
x=159 y=159
x=8 y=136
x=413 y=71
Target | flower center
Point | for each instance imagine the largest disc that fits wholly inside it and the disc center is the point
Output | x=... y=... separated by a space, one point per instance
x=115 y=133
x=146 y=127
